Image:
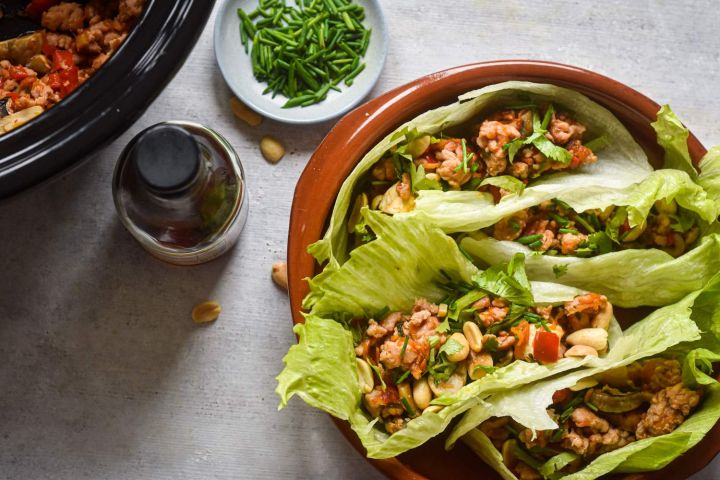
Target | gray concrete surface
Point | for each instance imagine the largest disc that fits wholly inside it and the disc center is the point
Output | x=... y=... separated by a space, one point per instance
x=102 y=373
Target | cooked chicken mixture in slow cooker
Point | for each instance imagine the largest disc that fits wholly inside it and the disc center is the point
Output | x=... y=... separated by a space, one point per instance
x=39 y=70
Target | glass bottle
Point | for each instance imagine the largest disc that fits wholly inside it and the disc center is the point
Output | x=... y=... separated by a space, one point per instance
x=179 y=189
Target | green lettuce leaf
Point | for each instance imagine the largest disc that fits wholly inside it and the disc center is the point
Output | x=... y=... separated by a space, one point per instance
x=408 y=259
x=676 y=330
x=672 y=136
x=656 y=333
x=629 y=278
x=463 y=211
x=621 y=163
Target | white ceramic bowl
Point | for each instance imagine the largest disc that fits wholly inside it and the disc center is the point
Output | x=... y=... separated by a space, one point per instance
x=237 y=70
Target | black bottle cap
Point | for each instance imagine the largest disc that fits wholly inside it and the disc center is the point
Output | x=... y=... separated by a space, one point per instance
x=166 y=158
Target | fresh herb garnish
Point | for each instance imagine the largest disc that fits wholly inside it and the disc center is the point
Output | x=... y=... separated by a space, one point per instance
x=377 y=372
x=539 y=140
x=402 y=377
x=402 y=351
x=304 y=51
x=451 y=347
x=407 y=406
x=570 y=408
x=560 y=270
x=506 y=182
x=585 y=224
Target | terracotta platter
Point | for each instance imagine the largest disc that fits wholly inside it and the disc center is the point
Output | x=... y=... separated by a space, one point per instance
x=362 y=128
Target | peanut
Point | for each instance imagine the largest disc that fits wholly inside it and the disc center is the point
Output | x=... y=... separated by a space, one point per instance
x=474 y=336
x=206 y=312
x=244 y=113
x=581 y=351
x=602 y=319
x=422 y=393
x=592 y=337
x=279 y=274
x=463 y=353
x=272 y=149
x=365 y=375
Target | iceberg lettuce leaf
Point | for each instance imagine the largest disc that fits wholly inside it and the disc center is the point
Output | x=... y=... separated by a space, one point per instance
x=656 y=333
x=672 y=136
x=408 y=259
x=465 y=211
x=679 y=330
x=621 y=163
x=629 y=278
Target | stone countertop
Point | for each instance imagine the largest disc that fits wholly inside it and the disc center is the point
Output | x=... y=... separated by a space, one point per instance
x=103 y=374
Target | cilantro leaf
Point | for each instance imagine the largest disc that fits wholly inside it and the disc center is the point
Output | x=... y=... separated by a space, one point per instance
x=451 y=347
x=600 y=242
x=612 y=228
x=560 y=270
x=507 y=281
x=684 y=221
x=539 y=140
x=506 y=182
x=552 y=151
x=444 y=326
x=419 y=180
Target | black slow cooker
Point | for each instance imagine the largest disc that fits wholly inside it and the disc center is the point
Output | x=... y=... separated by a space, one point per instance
x=110 y=101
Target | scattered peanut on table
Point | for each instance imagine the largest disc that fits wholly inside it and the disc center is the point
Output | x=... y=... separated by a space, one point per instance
x=244 y=113
x=279 y=274
x=206 y=312
x=272 y=149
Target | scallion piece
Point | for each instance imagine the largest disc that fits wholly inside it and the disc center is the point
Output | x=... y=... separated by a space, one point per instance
x=528 y=239
x=313 y=46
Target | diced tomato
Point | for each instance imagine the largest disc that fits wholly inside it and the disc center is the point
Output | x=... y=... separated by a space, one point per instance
x=68 y=81
x=546 y=347
x=18 y=73
x=561 y=395
x=48 y=50
x=62 y=60
x=53 y=81
x=37 y=7
x=522 y=332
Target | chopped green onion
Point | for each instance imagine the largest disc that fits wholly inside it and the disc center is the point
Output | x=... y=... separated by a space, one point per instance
x=313 y=46
x=407 y=406
x=560 y=220
x=402 y=377
x=528 y=239
x=402 y=351
x=584 y=223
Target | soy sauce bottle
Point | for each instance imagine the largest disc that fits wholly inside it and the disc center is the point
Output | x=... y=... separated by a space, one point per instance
x=179 y=189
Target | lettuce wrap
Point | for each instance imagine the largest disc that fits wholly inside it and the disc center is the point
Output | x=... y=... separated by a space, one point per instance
x=408 y=259
x=665 y=279
x=686 y=331
x=621 y=162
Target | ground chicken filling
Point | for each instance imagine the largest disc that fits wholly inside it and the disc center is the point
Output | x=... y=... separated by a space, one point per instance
x=644 y=399
x=554 y=228
x=515 y=143
x=38 y=70
x=406 y=360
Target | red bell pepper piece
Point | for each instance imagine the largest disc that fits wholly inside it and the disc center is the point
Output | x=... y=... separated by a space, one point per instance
x=62 y=60
x=546 y=347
